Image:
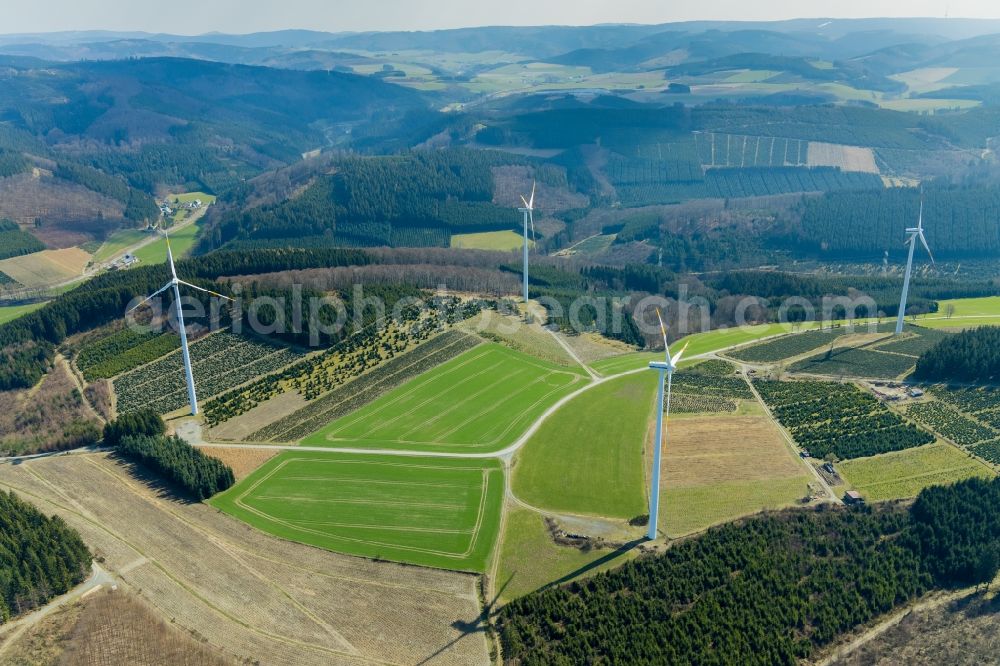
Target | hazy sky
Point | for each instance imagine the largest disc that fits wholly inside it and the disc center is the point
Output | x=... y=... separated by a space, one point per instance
x=240 y=16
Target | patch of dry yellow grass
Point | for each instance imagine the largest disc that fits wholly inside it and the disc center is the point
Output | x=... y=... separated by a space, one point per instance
x=707 y=450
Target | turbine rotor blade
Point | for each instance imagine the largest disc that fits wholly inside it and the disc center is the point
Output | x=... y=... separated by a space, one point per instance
x=531 y=219
x=525 y=201
x=677 y=357
x=207 y=291
x=924 y=242
x=170 y=254
x=531 y=201
x=150 y=297
x=663 y=331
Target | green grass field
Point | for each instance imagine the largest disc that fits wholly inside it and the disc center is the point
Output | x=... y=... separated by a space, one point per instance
x=180 y=242
x=690 y=509
x=529 y=559
x=11 y=312
x=957 y=323
x=587 y=458
x=968 y=307
x=594 y=244
x=968 y=313
x=117 y=243
x=699 y=343
x=480 y=401
x=436 y=512
x=490 y=240
x=906 y=473
x=187 y=197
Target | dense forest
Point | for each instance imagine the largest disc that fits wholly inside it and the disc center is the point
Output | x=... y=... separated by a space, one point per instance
x=139 y=206
x=413 y=199
x=40 y=557
x=772 y=289
x=958 y=221
x=190 y=122
x=140 y=423
x=178 y=463
x=12 y=163
x=972 y=355
x=15 y=242
x=767 y=590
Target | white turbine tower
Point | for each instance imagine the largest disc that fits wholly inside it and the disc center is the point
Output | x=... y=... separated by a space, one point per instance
x=915 y=233
x=529 y=217
x=666 y=368
x=175 y=282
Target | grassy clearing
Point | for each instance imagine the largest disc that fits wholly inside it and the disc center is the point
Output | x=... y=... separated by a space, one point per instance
x=988 y=306
x=117 y=243
x=593 y=245
x=479 y=401
x=699 y=343
x=188 y=197
x=694 y=508
x=46 y=268
x=438 y=512
x=587 y=457
x=906 y=473
x=180 y=242
x=529 y=559
x=959 y=323
x=720 y=468
x=12 y=312
x=490 y=240
x=512 y=332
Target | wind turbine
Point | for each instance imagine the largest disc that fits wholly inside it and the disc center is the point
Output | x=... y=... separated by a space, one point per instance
x=915 y=233
x=529 y=216
x=665 y=367
x=175 y=283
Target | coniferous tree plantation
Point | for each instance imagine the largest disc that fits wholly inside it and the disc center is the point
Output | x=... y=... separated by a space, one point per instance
x=970 y=356
x=178 y=463
x=959 y=221
x=40 y=557
x=14 y=241
x=414 y=199
x=768 y=590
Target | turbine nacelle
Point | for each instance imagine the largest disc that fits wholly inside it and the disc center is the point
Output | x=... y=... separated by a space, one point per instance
x=529 y=208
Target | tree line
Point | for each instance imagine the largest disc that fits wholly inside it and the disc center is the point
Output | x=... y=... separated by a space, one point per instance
x=15 y=242
x=973 y=355
x=140 y=436
x=767 y=590
x=40 y=557
x=27 y=343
